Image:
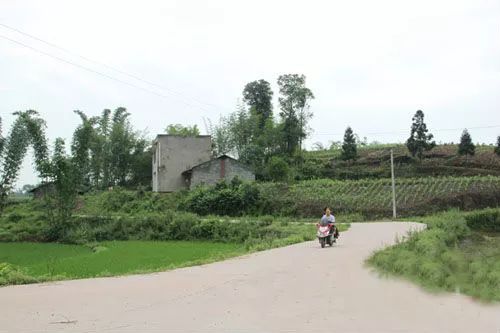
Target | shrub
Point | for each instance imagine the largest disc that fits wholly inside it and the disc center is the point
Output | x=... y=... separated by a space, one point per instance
x=278 y=169
x=488 y=220
x=10 y=274
x=223 y=199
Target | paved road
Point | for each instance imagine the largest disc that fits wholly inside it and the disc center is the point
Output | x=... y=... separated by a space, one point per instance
x=300 y=288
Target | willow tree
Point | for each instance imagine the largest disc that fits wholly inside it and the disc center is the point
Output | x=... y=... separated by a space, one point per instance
x=28 y=130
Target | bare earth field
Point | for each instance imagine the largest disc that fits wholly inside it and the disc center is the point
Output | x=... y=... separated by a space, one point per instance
x=299 y=288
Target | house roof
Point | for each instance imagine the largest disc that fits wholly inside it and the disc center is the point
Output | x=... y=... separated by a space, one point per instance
x=41 y=186
x=223 y=156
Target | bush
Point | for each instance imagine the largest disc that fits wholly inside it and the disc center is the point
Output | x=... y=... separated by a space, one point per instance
x=10 y=274
x=488 y=220
x=278 y=169
x=222 y=199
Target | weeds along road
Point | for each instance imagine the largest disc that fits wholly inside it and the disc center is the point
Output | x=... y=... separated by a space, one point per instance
x=300 y=288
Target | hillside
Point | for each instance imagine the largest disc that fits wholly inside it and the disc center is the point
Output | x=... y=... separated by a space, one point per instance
x=374 y=162
x=372 y=198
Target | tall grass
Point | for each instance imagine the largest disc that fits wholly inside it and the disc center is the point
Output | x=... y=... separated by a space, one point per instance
x=447 y=256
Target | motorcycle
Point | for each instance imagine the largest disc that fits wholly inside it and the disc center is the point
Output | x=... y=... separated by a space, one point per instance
x=325 y=234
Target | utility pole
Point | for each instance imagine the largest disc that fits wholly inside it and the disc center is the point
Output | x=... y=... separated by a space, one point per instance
x=393 y=186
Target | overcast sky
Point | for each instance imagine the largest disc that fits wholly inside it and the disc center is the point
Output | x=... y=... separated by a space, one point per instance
x=370 y=64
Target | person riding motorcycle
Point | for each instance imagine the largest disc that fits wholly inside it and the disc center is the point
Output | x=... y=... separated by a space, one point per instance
x=327 y=219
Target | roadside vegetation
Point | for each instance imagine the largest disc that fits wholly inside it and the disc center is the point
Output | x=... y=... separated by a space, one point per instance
x=36 y=262
x=459 y=252
x=127 y=245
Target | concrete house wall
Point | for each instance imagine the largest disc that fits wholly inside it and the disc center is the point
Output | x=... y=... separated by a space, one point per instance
x=224 y=167
x=172 y=155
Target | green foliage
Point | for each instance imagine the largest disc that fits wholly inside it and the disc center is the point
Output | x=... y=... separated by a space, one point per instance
x=374 y=162
x=466 y=147
x=372 y=197
x=31 y=262
x=349 y=148
x=108 y=152
x=81 y=148
x=294 y=104
x=240 y=134
x=419 y=141
x=28 y=129
x=181 y=130
x=487 y=220
x=222 y=199
x=278 y=169
x=446 y=256
x=62 y=193
x=258 y=95
x=11 y=274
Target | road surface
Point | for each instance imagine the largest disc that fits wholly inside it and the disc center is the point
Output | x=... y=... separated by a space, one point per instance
x=299 y=288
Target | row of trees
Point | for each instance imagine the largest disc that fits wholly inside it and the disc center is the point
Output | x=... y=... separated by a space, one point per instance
x=105 y=151
x=420 y=140
x=255 y=135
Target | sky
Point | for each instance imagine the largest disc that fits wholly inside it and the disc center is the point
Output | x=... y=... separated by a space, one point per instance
x=370 y=64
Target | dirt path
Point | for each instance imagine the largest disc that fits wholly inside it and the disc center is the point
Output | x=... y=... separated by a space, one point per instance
x=300 y=288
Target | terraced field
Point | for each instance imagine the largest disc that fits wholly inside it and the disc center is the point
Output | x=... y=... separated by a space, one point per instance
x=373 y=198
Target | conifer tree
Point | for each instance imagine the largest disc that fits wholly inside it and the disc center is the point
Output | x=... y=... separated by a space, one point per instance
x=466 y=147
x=349 y=147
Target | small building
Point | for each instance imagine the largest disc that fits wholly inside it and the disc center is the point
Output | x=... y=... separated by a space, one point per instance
x=210 y=172
x=42 y=190
x=172 y=155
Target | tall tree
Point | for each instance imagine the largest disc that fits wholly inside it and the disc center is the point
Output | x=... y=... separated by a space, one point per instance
x=28 y=129
x=466 y=147
x=294 y=104
x=181 y=130
x=258 y=95
x=121 y=139
x=419 y=141
x=349 y=147
x=497 y=148
x=81 y=147
x=61 y=201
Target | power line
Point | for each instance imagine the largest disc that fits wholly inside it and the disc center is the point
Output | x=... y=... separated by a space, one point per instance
x=98 y=72
x=406 y=131
x=134 y=76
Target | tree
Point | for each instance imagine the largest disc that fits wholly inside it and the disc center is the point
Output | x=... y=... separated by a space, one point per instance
x=349 y=147
x=419 y=141
x=109 y=152
x=28 y=129
x=65 y=179
x=466 y=147
x=278 y=169
x=83 y=138
x=258 y=95
x=497 y=148
x=294 y=105
x=221 y=140
x=122 y=141
x=181 y=130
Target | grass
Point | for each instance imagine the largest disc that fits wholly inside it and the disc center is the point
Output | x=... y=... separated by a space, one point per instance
x=27 y=262
x=49 y=261
x=448 y=256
